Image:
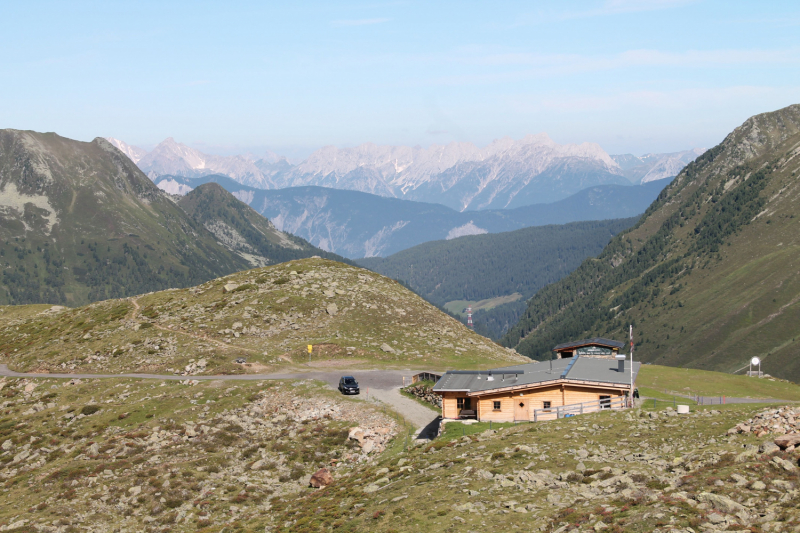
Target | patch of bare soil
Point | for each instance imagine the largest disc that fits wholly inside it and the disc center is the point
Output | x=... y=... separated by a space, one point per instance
x=333 y=363
x=258 y=368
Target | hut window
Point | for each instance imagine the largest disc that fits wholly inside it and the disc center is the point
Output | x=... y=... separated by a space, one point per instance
x=496 y=406
x=546 y=405
x=605 y=402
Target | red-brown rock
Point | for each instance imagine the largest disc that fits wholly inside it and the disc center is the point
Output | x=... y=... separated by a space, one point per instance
x=784 y=441
x=321 y=478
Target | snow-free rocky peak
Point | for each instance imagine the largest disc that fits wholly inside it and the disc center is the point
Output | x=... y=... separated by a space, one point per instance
x=505 y=173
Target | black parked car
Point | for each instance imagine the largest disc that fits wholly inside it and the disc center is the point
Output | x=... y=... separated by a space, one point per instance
x=348 y=385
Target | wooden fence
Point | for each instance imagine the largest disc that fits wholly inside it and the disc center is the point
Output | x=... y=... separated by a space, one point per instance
x=426 y=376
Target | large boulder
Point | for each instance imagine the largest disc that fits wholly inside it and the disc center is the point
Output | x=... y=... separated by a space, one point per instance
x=321 y=478
x=784 y=441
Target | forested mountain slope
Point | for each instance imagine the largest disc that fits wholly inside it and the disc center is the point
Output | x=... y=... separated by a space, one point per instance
x=479 y=267
x=709 y=276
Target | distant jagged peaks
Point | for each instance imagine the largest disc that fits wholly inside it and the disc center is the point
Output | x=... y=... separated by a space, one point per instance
x=133 y=152
x=653 y=167
x=506 y=173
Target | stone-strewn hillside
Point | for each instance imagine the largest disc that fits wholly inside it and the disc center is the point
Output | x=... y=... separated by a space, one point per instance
x=630 y=471
x=132 y=456
x=352 y=317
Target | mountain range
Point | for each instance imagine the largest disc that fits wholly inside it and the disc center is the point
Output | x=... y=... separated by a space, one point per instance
x=80 y=222
x=356 y=224
x=708 y=277
x=507 y=173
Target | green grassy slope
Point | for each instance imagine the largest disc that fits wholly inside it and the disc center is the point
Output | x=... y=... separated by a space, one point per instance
x=480 y=267
x=352 y=317
x=690 y=382
x=708 y=276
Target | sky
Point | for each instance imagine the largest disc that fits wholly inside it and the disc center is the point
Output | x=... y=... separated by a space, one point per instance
x=634 y=76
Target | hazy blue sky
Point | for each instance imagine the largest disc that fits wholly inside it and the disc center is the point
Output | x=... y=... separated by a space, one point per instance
x=633 y=76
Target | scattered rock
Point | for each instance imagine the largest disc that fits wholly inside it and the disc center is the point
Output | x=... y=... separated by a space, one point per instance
x=229 y=287
x=321 y=478
x=721 y=503
x=768 y=448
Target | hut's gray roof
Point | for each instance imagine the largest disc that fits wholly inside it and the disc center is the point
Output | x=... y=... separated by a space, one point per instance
x=594 y=340
x=586 y=369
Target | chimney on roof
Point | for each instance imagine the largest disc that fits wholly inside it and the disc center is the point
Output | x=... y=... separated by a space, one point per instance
x=620 y=357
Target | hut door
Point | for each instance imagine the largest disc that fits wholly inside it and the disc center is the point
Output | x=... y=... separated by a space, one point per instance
x=521 y=409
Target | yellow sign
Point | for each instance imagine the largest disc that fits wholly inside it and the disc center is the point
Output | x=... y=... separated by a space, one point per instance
x=310 y=347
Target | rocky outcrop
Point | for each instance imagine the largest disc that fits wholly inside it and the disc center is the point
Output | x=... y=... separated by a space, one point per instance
x=781 y=421
x=372 y=438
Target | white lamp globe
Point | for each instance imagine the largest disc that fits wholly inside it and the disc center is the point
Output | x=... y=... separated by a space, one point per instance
x=755 y=361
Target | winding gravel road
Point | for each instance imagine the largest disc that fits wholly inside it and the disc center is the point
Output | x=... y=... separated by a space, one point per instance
x=376 y=385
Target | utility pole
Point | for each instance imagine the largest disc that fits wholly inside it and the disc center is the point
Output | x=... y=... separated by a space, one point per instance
x=631 y=335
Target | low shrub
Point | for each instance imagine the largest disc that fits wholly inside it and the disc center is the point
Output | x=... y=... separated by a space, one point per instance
x=90 y=409
x=245 y=287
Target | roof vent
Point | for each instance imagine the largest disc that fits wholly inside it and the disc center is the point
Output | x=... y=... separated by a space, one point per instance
x=620 y=357
x=490 y=377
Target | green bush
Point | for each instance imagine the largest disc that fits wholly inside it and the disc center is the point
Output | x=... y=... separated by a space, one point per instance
x=90 y=409
x=245 y=287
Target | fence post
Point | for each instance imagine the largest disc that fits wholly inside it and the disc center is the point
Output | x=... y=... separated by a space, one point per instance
x=674 y=402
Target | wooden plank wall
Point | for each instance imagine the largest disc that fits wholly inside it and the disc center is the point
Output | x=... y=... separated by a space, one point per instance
x=535 y=399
